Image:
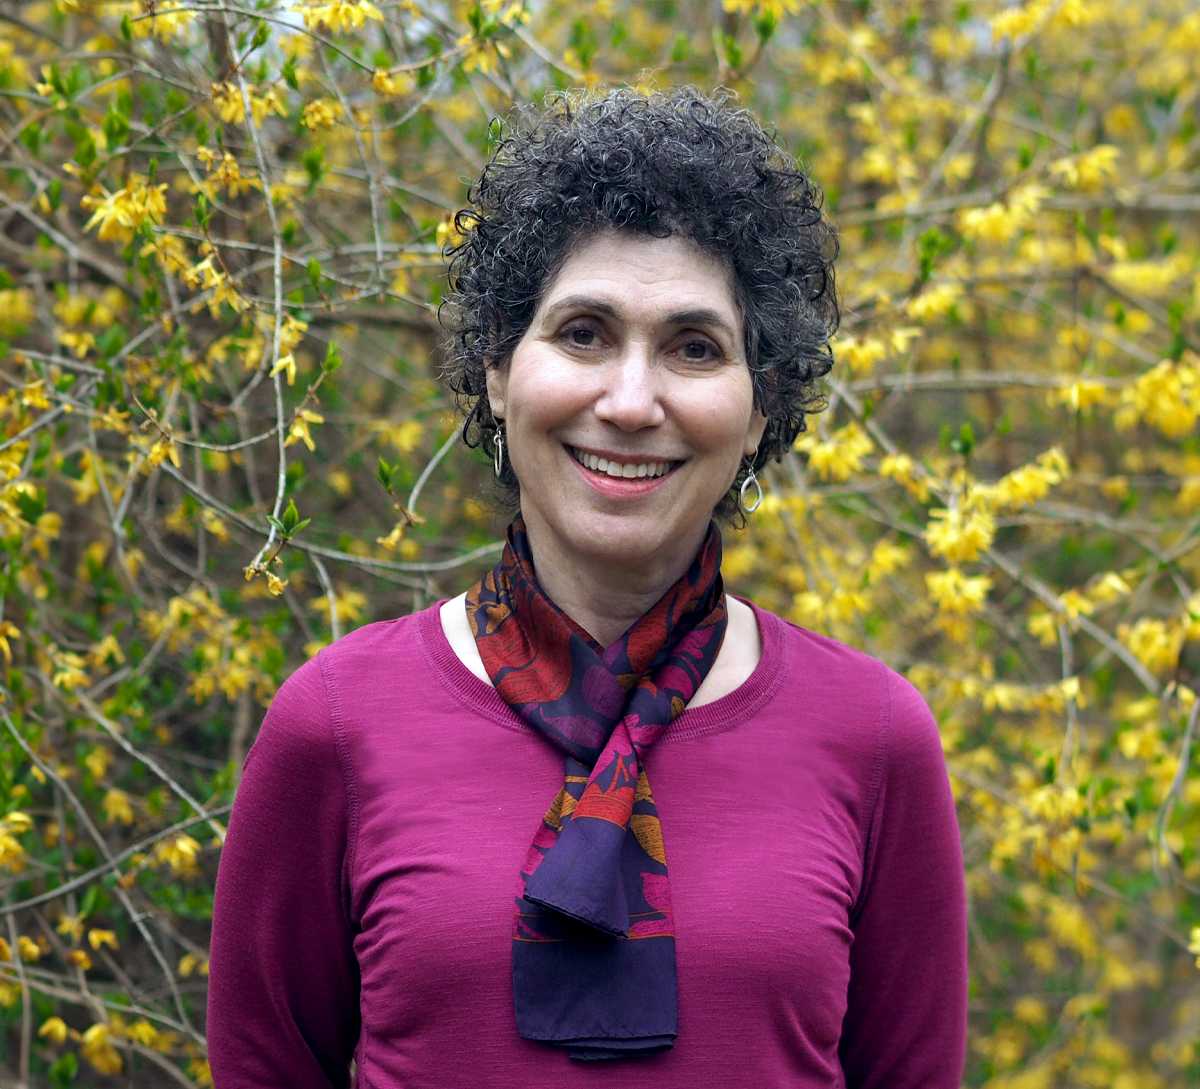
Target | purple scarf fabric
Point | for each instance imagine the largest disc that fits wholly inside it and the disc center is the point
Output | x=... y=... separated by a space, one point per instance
x=593 y=934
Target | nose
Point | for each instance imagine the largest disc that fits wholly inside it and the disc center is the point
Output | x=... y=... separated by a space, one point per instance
x=631 y=397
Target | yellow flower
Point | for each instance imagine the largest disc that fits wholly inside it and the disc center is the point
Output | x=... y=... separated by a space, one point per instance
x=275 y=584
x=54 y=1029
x=934 y=301
x=1154 y=643
x=299 y=430
x=78 y=343
x=959 y=536
x=70 y=926
x=286 y=363
x=860 y=355
x=886 y=557
x=179 y=852
x=97 y=938
x=163 y=449
x=160 y=19
x=956 y=593
x=1082 y=395
x=839 y=456
x=1001 y=220
x=16 y=308
x=1154 y=278
x=227 y=97
x=7 y=628
x=902 y=469
x=117 y=807
x=319 y=114
x=448 y=233
x=339 y=14
x=1090 y=170
x=775 y=9
x=228 y=176
x=119 y=214
x=12 y=854
x=193 y=962
x=1168 y=396
x=97 y=761
x=1027 y=484
x=97 y=1048
x=207 y=274
x=350 y=605
x=392 y=83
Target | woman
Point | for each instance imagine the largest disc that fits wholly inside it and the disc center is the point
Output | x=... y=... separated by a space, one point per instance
x=593 y=808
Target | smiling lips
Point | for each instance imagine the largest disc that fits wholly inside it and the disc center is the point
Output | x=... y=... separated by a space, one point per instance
x=622 y=469
x=626 y=478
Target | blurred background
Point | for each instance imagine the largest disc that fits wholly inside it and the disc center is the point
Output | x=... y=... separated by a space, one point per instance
x=223 y=445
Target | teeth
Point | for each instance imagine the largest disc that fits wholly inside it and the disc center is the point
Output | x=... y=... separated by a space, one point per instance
x=626 y=471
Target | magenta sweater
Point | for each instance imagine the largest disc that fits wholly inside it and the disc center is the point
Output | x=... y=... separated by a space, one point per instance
x=364 y=895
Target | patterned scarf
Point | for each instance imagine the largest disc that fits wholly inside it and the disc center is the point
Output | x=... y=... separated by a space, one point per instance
x=593 y=933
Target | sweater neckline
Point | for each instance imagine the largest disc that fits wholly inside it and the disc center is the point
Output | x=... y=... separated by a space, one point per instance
x=720 y=714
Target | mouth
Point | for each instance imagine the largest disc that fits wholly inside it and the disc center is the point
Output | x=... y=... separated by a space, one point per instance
x=631 y=470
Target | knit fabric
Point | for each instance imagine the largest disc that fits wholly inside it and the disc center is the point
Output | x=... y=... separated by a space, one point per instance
x=816 y=878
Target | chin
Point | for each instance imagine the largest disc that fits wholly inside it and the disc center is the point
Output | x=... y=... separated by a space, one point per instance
x=631 y=542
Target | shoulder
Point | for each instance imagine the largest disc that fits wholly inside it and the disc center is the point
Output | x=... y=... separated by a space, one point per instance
x=306 y=708
x=857 y=688
x=823 y=667
x=376 y=652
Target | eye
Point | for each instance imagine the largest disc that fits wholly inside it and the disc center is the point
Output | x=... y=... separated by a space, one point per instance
x=568 y=333
x=708 y=345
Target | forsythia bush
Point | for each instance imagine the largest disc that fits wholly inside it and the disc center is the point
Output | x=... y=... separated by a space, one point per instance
x=222 y=446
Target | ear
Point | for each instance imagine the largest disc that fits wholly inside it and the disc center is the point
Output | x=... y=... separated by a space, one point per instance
x=497 y=388
x=754 y=433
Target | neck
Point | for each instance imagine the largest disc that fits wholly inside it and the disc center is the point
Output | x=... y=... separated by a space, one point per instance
x=602 y=597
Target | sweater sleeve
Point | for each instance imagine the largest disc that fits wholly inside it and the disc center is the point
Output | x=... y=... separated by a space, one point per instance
x=905 y=1023
x=283 y=987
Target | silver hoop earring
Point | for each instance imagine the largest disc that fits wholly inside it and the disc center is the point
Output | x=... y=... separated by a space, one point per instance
x=498 y=444
x=751 y=478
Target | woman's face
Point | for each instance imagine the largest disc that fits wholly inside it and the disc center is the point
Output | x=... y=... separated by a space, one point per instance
x=635 y=355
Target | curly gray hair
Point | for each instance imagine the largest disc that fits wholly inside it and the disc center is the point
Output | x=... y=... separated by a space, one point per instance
x=671 y=162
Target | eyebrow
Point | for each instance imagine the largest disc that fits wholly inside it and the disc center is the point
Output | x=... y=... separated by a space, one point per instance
x=695 y=316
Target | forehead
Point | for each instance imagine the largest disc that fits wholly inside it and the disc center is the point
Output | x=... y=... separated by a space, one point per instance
x=644 y=277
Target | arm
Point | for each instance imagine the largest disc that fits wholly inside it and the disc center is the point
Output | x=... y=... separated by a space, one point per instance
x=283 y=981
x=905 y=1024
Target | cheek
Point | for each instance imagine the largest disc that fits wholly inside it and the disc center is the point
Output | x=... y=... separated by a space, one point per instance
x=543 y=393
x=719 y=419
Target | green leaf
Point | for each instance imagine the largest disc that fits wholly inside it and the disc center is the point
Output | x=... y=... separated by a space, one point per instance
x=965 y=442
x=111 y=341
x=66 y=1066
x=333 y=358
x=290 y=516
x=313 y=160
x=314 y=273
x=765 y=24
